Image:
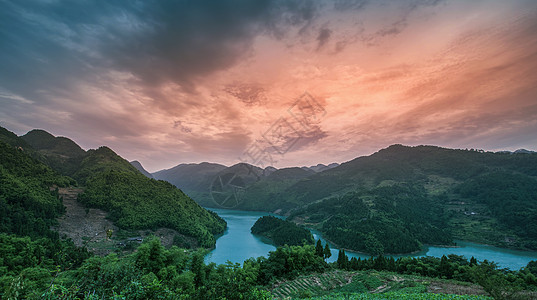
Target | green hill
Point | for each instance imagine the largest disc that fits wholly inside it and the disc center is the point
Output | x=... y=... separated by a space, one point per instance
x=401 y=197
x=111 y=183
x=61 y=153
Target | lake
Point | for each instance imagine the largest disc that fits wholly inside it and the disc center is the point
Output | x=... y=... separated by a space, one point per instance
x=237 y=244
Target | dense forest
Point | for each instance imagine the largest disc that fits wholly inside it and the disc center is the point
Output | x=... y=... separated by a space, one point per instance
x=389 y=219
x=386 y=214
x=282 y=232
x=400 y=198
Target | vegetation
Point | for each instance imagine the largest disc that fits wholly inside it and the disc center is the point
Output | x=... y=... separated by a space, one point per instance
x=282 y=232
x=389 y=219
x=29 y=251
x=400 y=197
x=153 y=272
x=60 y=153
x=137 y=202
x=27 y=205
x=111 y=183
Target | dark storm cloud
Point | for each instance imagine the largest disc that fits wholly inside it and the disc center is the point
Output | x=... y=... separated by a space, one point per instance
x=161 y=41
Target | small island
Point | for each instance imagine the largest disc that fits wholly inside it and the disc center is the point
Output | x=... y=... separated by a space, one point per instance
x=282 y=232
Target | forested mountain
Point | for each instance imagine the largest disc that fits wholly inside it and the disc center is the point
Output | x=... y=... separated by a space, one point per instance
x=111 y=183
x=394 y=200
x=212 y=184
x=29 y=206
x=60 y=153
x=401 y=197
x=190 y=177
x=140 y=168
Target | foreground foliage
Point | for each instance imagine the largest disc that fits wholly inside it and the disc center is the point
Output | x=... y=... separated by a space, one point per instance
x=153 y=272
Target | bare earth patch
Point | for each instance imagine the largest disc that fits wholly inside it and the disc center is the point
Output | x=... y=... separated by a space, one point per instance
x=87 y=227
x=83 y=226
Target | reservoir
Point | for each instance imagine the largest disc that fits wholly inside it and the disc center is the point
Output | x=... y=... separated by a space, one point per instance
x=237 y=244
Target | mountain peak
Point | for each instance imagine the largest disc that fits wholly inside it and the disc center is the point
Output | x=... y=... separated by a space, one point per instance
x=140 y=168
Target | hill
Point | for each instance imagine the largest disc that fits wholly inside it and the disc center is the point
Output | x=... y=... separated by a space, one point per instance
x=60 y=153
x=395 y=200
x=402 y=197
x=110 y=183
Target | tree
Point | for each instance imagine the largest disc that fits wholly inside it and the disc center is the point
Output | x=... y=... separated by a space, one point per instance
x=327 y=252
x=473 y=261
x=319 y=249
x=342 y=259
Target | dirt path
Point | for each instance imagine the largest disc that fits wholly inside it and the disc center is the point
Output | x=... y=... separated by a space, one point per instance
x=80 y=224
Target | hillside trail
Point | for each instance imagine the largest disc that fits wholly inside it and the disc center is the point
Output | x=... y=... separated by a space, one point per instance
x=80 y=224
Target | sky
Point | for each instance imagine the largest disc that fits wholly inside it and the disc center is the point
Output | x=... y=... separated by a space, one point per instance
x=281 y=82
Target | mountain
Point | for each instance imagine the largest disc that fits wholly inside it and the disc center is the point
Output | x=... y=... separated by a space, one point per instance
x=190 y=177
x=109 y=182
x=25 y=194
x=402 y=197
x=214 y=185
x=140 y=168
x=60 y=153
x=394 y=200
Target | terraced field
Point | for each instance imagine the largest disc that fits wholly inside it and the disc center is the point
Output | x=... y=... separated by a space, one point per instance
x=311 y=285
x=400 y=296
x=374 y=285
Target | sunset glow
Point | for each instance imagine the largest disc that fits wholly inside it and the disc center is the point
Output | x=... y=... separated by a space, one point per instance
x=190 y=81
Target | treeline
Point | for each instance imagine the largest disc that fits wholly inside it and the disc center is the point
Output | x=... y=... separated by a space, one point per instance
x=388 y=219
x=282 y=232
x=137 y=202
x=153 y=272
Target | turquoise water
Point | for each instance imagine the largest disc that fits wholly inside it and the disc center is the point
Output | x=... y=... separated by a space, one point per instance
x=238 y=244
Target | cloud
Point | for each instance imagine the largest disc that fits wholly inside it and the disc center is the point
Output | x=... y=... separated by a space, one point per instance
x=186 y=81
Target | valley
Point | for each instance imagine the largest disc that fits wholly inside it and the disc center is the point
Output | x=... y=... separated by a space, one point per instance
x=95 y=216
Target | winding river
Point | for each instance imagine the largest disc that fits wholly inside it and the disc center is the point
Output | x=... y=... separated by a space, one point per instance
x=238 y=244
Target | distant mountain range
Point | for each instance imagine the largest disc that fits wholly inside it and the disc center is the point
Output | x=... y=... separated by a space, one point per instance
x=211 y=184
x=392 y=201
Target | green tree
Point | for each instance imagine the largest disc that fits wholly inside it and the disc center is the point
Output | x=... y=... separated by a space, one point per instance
x=319 y=249
x=327 y=252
